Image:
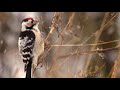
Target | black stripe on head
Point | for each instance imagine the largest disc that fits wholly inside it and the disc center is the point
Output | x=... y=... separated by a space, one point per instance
x=29 y=27
x=26 y=19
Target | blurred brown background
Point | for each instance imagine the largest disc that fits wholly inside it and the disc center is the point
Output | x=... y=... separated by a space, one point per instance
x=65 y=61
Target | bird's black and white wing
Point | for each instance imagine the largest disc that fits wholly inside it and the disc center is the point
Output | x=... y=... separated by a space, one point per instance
x=26 y=43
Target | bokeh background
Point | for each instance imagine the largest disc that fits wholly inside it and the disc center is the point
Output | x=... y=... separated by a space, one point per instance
x=77 y=57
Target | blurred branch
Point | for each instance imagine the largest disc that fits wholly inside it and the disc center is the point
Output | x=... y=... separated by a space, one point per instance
x=97 y=38
x=89 y=52
x=66 y=27
x=54 y=24
x=95 y=51
x=103 y=27
x=81 y=45
x=113 y=71
x=99 y=51
x=69 y=22
x=93 y=73
x=92 y=51
x=70 y=55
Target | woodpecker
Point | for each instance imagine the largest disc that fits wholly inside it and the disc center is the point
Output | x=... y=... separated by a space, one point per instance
x=30 y=44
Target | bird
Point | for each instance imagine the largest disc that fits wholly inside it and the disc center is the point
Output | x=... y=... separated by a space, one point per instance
x=30 y=44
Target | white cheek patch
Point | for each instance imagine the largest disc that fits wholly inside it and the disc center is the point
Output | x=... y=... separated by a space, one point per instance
x=29 y=24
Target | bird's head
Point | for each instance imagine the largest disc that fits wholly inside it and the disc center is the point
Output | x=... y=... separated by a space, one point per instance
x=29 y=23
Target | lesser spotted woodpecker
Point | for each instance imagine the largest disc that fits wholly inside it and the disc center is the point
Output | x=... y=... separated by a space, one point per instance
x=30 y=44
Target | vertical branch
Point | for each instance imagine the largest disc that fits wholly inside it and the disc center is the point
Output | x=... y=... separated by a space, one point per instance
x=97 y=38
x=113 y=71
x=69 y=22
x=63 y=30
x=54 y=24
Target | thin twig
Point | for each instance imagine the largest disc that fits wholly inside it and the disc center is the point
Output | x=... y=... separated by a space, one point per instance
x=66 y=27
x=103 y=27
x=83 y=53
x=97 y=31
x=53 y=26
x=76 y=51
x=114 y=68
x=69 y=22
x=81 y=45
x=97 y=38
x=95 y=51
